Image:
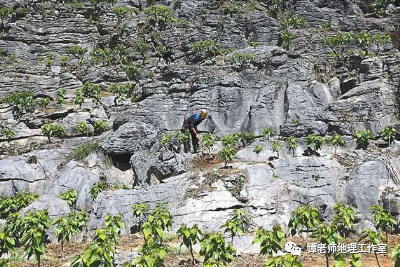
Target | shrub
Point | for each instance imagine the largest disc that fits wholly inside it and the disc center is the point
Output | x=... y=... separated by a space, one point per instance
x=344 y=218
x=267 y=132
x=53 y=130
x=79 y=98
x=363 y=137
x=96 y=188
x=208 y=141
x=286 y=24
x=271 y=241
x=304 y=216
x=22 y=100
x=141 y=211
x=380 y=5
x=243 y=59
x=291 y=143
x=396 y=254
x=388 y=134
x=100 y=126
x=276 y=147
x=215 y=251
x=60 y=96
x=76 y=50
x=7 y=244
x=258 y=149
x=205 y=49
x=373 y=238
x=228 y=141
x=315 y=142
x=190 y=236
x=236 y=223
x=328 y=236
x=159 y=16
x=123 y=11
x=82 y=128
x=84 y=150
x=90 y=90
x=7 y=132
x=101 y=56
x=247 y=138
x=5 y=12
x=42 y=102
x=120 y=91
x=133 y=72
x=336 y=140
x=34 y=235
x=70 y=196
x=383 y=220
x=227 y=154
x=15 y=203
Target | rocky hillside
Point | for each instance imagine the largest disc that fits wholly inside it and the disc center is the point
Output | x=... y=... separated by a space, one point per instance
x=91 y=91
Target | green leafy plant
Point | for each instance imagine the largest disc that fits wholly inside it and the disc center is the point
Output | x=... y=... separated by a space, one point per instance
x=227 y=154
x=388 y=134
x=69 y=225
x=328 y=236
x=53 y=130
x=5 y=12
x=395 y=255
x=355 y=260
x=291 y=144
x=133 y=72
x=120 y=91
x=314 y=142
x=344 y=218
x=258 y=149
x=114 y=224
x=228 y=141
x=247 y=138
x=100 y=126
x=383 y=220
x=70 y=196
x=208 y=141
x=190 y=236
x=159 y=16
x=242 y=59
x=373 y=238
x=76 y=50
x=35 y=225
x=79 y=98
x=7 y=132
x=380 y=5
x=336 y=140
x=82 y=128
x=13 y=204
x=42 y=102
x=285 y=25
x=82 y=151
x=283 y=261
x=60 y=96
x=7 y=243
x=363 y=137
x=304 y=217
x=22 y=101
x=215 y=251
x=90 y=90
x=96 y=188
x=276 y=147
x=236 y=223
x=122 y=11
x=141 y=211
x=205 y=49
x=271 y=241
x=267 y=132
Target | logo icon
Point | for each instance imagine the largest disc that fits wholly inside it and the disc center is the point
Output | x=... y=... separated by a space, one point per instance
x=292 y=248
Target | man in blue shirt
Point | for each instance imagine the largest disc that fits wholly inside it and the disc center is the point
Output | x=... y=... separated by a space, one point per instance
x=191 y=125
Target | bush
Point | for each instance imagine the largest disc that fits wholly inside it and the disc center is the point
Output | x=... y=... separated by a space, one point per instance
x=336 y=140
x=133 y=72
x=23 y=101
x=344 y=218
x=314 y=142
x=258 y=149
x=291 y=143
x=243 y=59
x=215 y=251
x=124 y=11
x=76 y=50
x=236 y=223
x=286 y=24
x=363 y=137
x=227 y=154
x=271 y=241
x=82 y=128
x=276 y=147
x=42 y=102
x=60 y=96
x=100 y=126
x=70 y=196
x=79 y=98
x=304 y=216
x=53 y=130
x=159 y=16
x=228 y=141
x=96 y=188
x=120 y=91
x=388 y=134
x=90 y=90
x=208 y=141
x=82 y=151
x=8 y=133
x=205 y=49
x=267 y=132
x=190 y=236
x=15 y=203
x=383 y=220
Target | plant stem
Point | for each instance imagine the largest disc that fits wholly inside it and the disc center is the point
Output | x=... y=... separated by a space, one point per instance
x=377 y=261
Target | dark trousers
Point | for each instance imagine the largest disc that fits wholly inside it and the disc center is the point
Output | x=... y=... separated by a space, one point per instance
x=195 y=141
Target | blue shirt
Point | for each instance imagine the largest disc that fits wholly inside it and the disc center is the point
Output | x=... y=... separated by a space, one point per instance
x=194 y=120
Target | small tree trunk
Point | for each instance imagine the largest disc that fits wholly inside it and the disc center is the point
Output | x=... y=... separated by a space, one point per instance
x=191 y=252
x=377 y=261
x=327 y=259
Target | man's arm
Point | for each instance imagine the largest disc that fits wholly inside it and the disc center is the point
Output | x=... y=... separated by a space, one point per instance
x=193 y=130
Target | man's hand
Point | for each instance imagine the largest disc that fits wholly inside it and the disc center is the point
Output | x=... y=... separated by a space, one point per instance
x=198 y=136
